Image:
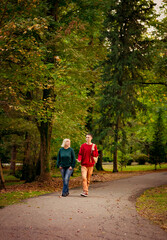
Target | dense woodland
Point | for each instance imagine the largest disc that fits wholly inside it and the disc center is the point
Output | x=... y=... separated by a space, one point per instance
x=76 y=66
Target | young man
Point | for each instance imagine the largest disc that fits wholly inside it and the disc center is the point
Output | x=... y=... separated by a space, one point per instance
x=87 y=151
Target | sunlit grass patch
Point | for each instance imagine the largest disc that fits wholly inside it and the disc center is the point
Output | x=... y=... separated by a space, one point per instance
x=14 y=183
x=152 y=204
x=57 y=174
x=16 y=197
x=150 y=167
x=8 y=177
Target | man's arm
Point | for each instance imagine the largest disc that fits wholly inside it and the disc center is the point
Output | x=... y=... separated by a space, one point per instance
x=95 y=151
x=80 y=154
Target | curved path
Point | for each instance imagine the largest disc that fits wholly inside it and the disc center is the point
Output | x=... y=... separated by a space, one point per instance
x=108 y=213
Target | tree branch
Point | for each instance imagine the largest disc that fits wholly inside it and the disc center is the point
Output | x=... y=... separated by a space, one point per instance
x=4 y=12
x=154 y=83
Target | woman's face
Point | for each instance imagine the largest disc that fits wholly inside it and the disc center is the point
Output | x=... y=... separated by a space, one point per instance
x=67 y=143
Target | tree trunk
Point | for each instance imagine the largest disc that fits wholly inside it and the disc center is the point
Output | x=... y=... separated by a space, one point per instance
x=28 y=171
x=13 y=160
x=99 y=166
x=2 y=181
x=53 y=11
x=45 y=130
x=90 y=110
x=115 y=168
x=156 y=163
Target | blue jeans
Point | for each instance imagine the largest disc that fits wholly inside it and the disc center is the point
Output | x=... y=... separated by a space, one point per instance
x=66 y=174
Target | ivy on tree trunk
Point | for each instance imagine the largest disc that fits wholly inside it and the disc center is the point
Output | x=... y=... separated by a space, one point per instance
x=2 y=181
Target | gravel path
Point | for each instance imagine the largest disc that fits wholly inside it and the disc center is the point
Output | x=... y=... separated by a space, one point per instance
x=108 y=213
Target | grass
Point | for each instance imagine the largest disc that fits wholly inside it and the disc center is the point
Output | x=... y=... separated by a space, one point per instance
x=11 y=180
x=13 y=183
x=152 y=204
x=9 y=177
x=55 y=173
x=149 y=167
x=16 y=197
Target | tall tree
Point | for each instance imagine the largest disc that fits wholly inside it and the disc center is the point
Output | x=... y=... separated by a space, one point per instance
x=45 y=59
x=124 y=34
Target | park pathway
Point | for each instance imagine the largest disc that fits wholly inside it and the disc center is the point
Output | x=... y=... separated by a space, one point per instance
x=108 y=213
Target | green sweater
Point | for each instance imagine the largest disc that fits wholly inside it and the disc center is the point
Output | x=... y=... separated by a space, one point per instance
x=66 y=158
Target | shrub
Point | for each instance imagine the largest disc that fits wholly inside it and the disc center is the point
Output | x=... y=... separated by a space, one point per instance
x=18 y=174
x=125 y=160
x=129 y=162
x=141 y=159
x=107 y=159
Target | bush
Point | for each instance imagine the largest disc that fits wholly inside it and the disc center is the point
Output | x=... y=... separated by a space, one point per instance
x=141 y=159
x=107 y=159
x=53 y=162
x=129 y=162
x=28 y=172
x=18 y=174
x=78 y=167
x=125 y=160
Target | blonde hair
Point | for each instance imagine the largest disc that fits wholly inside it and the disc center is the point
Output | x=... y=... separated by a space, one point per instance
x=64 y=142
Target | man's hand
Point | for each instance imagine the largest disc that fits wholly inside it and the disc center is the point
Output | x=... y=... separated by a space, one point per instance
x=70 y=168
x=60 y=167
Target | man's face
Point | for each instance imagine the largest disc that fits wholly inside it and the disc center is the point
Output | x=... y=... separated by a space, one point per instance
x=88 y=138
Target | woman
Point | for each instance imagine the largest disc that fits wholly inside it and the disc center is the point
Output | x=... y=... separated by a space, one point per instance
x=66 y=162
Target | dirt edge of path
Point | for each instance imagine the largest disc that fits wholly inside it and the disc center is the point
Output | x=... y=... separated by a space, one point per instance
x=55 y=184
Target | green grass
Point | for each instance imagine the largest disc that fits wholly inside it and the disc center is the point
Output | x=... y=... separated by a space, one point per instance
x=16 y=197
x=14 y=183
x=8 y=177
x=76 y=174
x=136 y=167
x=152 y=204
x=56 y=173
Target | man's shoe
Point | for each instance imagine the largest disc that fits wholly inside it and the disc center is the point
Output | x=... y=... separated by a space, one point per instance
x=84 y=194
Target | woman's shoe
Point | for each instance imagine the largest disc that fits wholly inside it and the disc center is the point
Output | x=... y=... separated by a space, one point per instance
x=64 y=195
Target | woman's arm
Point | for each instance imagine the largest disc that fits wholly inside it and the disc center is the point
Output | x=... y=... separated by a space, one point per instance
x=58 y=159
x=73 y=158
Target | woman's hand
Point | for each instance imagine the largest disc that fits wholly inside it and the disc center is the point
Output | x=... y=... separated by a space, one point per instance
x=70 y=168
x=93 y=147
x=60 y=167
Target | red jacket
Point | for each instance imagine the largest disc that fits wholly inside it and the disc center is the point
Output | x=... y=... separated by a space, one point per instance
x=85 y=154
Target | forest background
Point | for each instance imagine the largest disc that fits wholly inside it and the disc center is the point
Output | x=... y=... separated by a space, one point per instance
x=72 y=67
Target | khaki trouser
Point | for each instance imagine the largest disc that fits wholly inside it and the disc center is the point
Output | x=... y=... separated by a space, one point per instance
x=86 y=175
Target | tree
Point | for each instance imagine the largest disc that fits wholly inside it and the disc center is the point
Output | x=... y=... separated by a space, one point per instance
x=157 y=151
x=124 y=28
x=2 y=181
x=45 y=59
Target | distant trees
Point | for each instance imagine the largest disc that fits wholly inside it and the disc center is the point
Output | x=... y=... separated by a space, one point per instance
x=157 y=150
